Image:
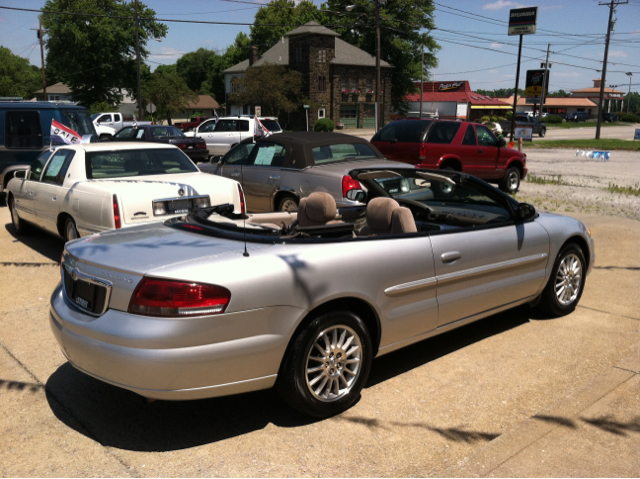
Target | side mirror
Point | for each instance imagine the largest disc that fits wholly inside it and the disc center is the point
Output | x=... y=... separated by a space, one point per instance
x=356 y=195
x=20 y=174
x=526 y=211
x=502 y=142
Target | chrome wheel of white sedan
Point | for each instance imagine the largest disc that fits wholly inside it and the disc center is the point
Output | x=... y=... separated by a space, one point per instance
x=327 y=365
x=568 y=279
x=333 y=364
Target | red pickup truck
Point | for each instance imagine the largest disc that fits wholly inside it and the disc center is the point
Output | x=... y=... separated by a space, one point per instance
x=457 y=145
x=191 y=124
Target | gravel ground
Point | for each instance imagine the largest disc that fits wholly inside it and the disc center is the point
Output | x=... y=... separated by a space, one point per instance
x=560 y=181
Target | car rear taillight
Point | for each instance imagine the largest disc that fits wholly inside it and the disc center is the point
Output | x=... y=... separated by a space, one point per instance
x=423 y=151
x=201 y=145
x=177 y=299
x=116 y=212
x=241 y=193
x=182 y=146
x=349 y=184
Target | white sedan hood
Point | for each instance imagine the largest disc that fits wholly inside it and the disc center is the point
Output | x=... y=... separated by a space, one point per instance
x=136 y=195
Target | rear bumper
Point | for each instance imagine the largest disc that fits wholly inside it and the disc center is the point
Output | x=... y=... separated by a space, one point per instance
x=176 y=359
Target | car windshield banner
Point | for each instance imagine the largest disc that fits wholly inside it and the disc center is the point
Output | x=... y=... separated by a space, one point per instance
x=63 y=135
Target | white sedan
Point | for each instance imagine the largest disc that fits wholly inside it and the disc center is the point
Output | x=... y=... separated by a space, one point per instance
x=79 y=190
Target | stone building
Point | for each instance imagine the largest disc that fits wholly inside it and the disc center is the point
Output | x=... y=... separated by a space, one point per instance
x=339 y=79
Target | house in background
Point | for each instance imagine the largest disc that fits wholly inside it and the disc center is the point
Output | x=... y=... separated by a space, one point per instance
x=339 y=79
x=613 y=99
x=57 y=92
x=205 y=106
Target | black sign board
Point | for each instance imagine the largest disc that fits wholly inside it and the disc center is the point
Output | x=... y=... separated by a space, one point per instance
x=522 y=21
x=533 y=87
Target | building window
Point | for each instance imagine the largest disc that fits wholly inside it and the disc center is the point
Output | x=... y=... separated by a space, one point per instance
x=322 y=83
x=321 y=113
x=354 y=84
x=345 y=84
x=369 y=84
x=298 y=52
x=54 y=97
x=322 y=55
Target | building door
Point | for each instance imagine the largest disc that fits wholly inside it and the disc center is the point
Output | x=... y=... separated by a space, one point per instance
x=369 y=117
x=349 y=116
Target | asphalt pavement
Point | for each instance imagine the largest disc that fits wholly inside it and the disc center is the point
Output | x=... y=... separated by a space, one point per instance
x=515 y=394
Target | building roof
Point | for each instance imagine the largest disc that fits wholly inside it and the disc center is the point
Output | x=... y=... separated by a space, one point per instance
x=552 y=101
x=596 y=90
x=205 y=102
x=311 y=28
x=450 y=91
x=57 y=88
x=346 y=54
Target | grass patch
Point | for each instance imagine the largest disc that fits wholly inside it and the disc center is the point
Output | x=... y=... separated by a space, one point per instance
x=597 y=145
x=543 y=180
x=586 y=124
x=625 y=190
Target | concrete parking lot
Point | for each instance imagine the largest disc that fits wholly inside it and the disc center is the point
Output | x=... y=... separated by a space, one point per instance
x=515 y=394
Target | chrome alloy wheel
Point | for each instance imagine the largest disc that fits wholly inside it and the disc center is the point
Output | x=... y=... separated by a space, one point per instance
x=568 y=279
x=288 y=205
x=513 y=180
x=334 y=363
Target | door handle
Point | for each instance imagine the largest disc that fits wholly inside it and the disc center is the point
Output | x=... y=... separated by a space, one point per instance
x=31 y=193
x=451 y=256
x=235 y=173
x=274 y=177
x=55 y=198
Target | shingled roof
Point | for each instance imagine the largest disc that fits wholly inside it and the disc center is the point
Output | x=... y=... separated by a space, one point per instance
x=313 y=28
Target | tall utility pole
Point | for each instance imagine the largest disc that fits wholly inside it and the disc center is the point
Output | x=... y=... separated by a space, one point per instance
x=140 y=111
x=629 y=74
x=378 y=81
x=544 y=80
x=613 y=4
x=515 y=92
x=422 y=82
x=41 y=38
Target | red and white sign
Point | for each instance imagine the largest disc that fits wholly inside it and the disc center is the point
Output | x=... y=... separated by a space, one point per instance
x=64 y=134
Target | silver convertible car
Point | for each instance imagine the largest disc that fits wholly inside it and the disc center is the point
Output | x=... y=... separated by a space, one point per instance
x=217 y=303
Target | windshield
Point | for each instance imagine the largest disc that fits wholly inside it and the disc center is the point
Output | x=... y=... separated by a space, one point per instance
x=342 y=152
x=79 y=121
x=128 y=163
x=271 y=125
x=166 y=132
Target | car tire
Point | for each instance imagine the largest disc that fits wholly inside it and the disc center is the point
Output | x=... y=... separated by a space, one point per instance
x=543 y=132
x=19 y=224
x=70 y=230
x=566 y=283
x=510 y=182
x=315 y=378
x=288 y=203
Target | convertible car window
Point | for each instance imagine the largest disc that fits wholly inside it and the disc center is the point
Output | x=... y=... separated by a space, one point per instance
x=239 y=155
x=269 y=154
x=341 y=152
x=120 y=164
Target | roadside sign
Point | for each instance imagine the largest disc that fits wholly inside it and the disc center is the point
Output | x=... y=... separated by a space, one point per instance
x=258 y=111
x=526 y=133
x=522 y=21
x=306 y=107
x=637 y=135
x=533 y=86
x=532 y=101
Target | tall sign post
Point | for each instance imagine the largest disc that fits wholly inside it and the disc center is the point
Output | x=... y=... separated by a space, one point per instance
x=522 y=21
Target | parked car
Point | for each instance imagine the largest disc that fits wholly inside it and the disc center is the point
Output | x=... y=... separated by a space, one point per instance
x=193 y=122
x=25 y=132
x=106 y=123
x=456 y=145
x=228 y=131
x=577 y=116
x=278 y=171
x=194 y=148
x=538 y=127
x=76 y=191
x=609 y=117
x=216 y=303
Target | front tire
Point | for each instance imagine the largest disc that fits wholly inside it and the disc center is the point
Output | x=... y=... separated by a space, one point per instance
x=70 y=230
x=566 y=283
x=510 y=183
x=327 y=365
x=543 y=132
x=18 y=223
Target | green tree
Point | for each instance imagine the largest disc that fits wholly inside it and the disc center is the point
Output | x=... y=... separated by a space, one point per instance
x=168 y=92
x=633 y=99
x=17 y=76
x=274 y=87
x=95 y=55
x=193 y=67
x=498 y=93
x=559 y=93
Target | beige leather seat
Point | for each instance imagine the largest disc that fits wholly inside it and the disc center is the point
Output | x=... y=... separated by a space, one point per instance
x=386 y=216
x=316 y=209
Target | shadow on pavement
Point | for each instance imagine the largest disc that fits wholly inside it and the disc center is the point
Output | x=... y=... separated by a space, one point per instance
x=39 y=240
x=120 y=418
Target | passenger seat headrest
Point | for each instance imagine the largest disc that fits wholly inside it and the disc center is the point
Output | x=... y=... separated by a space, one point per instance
x=379 y=211
x=317 y=209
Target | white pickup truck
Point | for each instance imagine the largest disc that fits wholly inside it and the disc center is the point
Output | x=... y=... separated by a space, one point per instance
x=108 y=124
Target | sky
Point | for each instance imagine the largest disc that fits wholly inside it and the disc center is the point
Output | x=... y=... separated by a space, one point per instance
x=473 y=36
